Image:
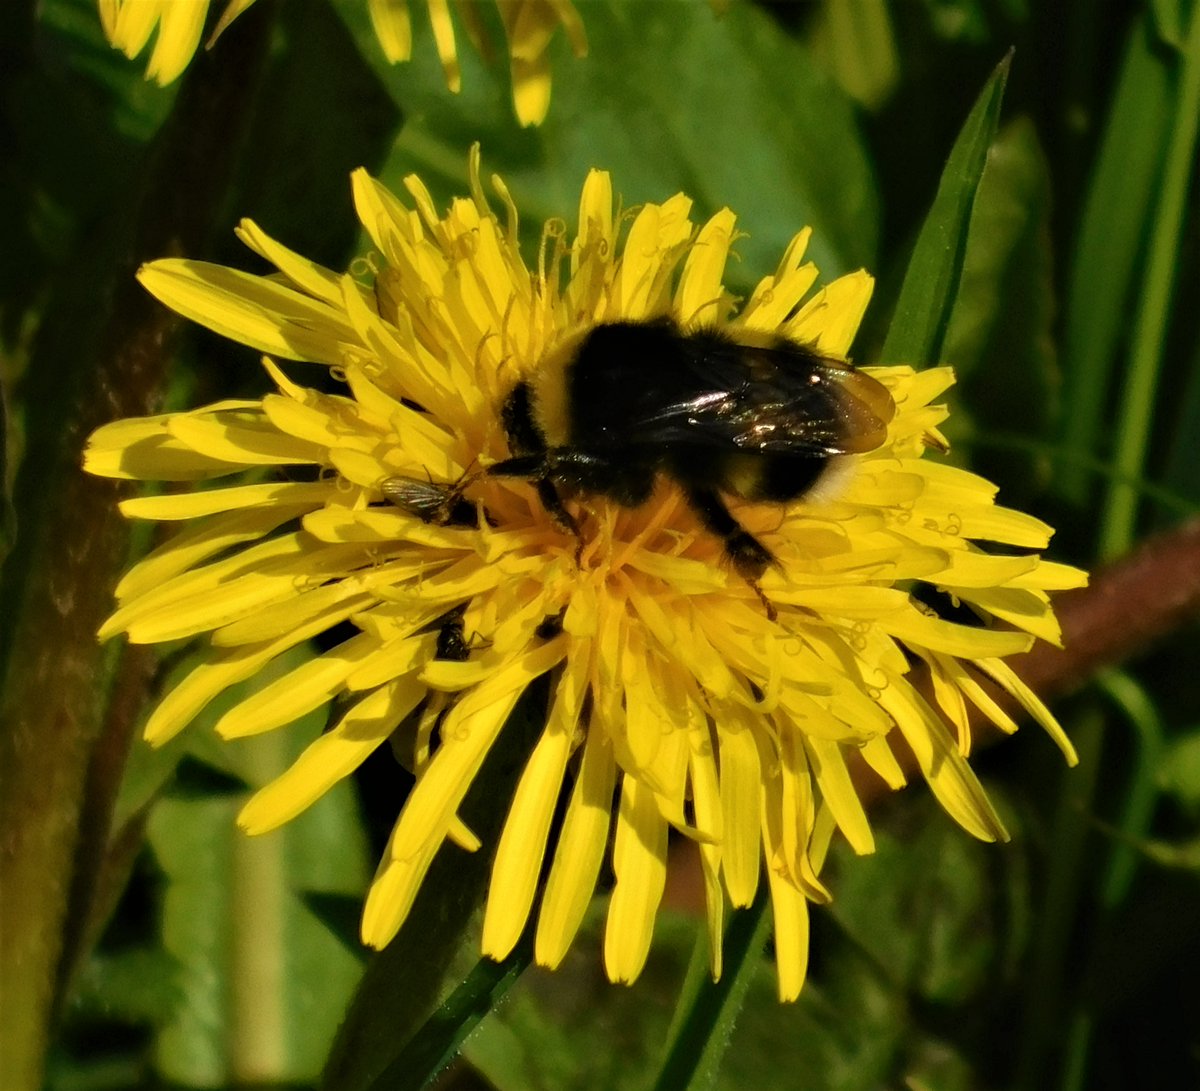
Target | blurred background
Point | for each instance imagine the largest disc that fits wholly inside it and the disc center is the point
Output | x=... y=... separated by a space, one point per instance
x=188 y=955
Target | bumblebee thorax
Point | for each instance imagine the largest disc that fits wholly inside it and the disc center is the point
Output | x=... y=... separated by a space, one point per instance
x=549 y=391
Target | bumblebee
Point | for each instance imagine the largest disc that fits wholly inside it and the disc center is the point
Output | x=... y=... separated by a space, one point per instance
x=754 y=416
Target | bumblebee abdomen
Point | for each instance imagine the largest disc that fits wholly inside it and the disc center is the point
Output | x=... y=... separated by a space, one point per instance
x=751 y=475
x=786 y=477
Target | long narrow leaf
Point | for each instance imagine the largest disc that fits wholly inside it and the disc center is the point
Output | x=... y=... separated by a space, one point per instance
x=707 y=1010
x=922 y=314
x=438 y=1041
x=1153 y=311
x=1111 y=242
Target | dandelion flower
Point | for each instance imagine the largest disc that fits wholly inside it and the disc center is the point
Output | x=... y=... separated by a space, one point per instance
x=529 y=26
x=677 y=698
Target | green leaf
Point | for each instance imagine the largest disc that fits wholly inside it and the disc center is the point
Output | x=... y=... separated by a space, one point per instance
x=136 y=985
x=918 y=329
x=1000 y=337
x=1169 y=20
x=340 y=914
x=309 y=133
x=1110 y=244
x=730 y=110
x=572 y=1027
x=857 y=44
x=438 y=1041
x=845 y=1033
x=1153 y=310
x=707 y=1009
x=1182 y=472
x=137 y=106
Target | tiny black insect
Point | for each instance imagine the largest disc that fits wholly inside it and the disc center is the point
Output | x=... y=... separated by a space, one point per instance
x=452 y=640
x=757 y=416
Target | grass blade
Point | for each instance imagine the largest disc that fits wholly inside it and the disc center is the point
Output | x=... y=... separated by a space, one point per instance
x=922 y=314
x=1150 y=323
x=709 y=1008
x=438 y=1041
x=1110 y=243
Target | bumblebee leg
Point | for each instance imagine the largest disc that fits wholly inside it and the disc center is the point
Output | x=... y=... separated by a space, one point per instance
x=749 y=556
x=537 y=468
x=559 y=515
x=455 y=510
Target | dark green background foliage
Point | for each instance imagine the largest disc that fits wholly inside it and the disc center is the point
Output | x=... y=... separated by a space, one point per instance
x=1044 y=242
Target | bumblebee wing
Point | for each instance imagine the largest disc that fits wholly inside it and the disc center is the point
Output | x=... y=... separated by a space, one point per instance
x=778 y=399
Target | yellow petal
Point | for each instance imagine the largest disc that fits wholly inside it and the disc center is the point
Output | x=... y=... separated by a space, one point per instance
x=531 y=89
x=207 y=539
x=232 y=10
x=179 y=30
x=579 y=854
x=392 y=894
x=332 y=601
x=393 y=28
x=919 y=629
x=1011 y=681
x=700 y=298
x=195 y=505
x=948 y=774
x=523 y=842
x=789 y=910
x=831 y=318
x=254 y=310
x=741 y=789
x=1029 y=611
x=878 y=755
x=640 y=867
x=774 y=298
x=833 y=778
x=961 y=678
x=331 y=757
x=443 y=36
x=188 y=584
x=312 y=279
x=175 y=711
x=245 y=442
x=301 y=690
x=468 y=732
